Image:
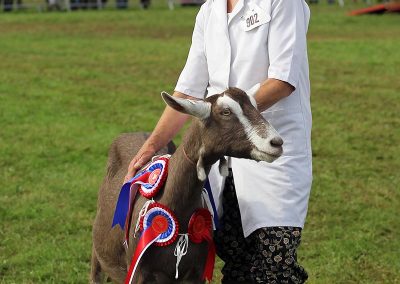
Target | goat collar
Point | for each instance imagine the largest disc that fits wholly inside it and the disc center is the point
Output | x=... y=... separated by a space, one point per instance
x=186 y=156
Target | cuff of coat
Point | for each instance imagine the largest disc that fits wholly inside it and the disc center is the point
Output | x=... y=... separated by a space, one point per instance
x=282 y=76
x=190 y=92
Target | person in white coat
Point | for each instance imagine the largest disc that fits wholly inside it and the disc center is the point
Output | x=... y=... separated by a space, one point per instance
x=246 y=43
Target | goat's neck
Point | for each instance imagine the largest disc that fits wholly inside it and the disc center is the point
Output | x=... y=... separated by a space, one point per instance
x=183 y=189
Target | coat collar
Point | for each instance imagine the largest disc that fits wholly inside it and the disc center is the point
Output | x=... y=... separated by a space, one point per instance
x=238 y=7
x=219 y=11
x=220 y=8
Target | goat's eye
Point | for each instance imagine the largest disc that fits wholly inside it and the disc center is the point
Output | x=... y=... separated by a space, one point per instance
x=226 y=112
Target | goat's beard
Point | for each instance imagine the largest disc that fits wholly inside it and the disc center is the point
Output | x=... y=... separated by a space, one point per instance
x=259 y=156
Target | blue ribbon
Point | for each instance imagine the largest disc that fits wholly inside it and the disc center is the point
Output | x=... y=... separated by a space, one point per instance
x=121 y=210
x=122 y=207
x=207 y=186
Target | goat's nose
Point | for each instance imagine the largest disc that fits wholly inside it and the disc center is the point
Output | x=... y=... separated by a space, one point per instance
x=276 y=141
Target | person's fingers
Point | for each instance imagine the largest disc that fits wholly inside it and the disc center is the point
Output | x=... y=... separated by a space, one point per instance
x=141 y=162
x=137 y=163
x=128 y=176
x=132 y=164
x=131 y=170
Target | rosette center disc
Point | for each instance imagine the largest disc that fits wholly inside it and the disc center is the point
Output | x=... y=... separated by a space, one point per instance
x=159 y=224
x=154 y=176
x=162 y=221
x=199 y=224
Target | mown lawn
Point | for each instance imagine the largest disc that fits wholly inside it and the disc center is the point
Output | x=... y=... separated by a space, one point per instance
x=70 y=83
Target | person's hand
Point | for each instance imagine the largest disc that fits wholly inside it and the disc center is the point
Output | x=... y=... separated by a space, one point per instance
x=142 y=158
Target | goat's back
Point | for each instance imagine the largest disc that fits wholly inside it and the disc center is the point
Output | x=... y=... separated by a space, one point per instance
x=107 y=241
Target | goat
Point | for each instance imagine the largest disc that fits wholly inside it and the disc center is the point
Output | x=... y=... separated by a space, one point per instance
x=227 y=124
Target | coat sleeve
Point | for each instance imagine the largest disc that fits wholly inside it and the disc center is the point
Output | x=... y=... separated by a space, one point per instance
x=193 y=80
x=287 y=39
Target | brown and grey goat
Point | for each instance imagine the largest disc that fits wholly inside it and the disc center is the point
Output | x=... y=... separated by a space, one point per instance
x=227 y=124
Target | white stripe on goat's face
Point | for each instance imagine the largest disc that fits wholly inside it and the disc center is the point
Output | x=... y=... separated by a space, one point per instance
x=266 y=142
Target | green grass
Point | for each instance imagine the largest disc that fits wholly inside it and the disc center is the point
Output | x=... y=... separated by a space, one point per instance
x=71 y=82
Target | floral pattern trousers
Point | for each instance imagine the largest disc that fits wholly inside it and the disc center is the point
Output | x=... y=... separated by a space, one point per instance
x=268 y=255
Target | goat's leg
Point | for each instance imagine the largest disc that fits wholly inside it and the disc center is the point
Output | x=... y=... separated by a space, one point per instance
x=95 y=271
x=193 y=277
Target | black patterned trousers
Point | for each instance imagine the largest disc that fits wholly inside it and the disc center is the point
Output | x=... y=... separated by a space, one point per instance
x=268 y=255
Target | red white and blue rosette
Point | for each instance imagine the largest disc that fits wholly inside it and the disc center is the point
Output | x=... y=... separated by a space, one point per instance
x=159 y=227
x=156 y=174
x=163 y=221
x=148 y=182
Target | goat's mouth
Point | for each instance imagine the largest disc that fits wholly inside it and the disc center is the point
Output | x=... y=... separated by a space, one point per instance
x=265 y=156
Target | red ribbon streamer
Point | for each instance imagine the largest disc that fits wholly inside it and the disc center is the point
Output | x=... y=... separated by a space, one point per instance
x=209 y=268
x=134 y=189
x=147 y=239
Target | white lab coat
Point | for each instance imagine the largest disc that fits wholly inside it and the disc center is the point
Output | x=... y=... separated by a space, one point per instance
x=224 y=55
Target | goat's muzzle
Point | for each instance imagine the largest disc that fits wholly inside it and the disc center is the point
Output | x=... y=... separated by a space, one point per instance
x=269 y=151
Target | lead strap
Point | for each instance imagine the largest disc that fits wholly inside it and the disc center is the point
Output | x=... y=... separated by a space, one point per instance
x=211 y=204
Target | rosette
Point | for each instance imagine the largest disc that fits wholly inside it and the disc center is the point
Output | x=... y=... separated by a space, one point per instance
x=200 y=228
x=159 y=227
x=163 y=221
x=156 y=174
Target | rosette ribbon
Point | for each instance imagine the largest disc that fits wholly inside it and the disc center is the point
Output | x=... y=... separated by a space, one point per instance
x=148 y=181
x=160 y=228
x=200 y=228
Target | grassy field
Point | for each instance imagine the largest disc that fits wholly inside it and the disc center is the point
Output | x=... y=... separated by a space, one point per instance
x=70 y=83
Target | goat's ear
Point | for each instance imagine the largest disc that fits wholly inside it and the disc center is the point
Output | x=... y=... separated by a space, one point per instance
x=200 y=109
x=252 y=92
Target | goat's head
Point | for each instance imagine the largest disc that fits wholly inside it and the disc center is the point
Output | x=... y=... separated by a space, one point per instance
x=232 y=126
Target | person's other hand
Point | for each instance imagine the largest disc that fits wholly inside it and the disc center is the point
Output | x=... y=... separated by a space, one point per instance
x=141 y=159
